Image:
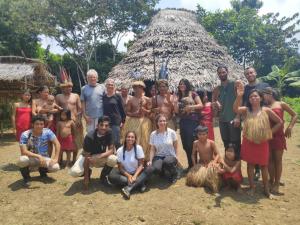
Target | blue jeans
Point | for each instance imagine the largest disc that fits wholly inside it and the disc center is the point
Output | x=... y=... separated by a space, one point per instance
x=116 y=135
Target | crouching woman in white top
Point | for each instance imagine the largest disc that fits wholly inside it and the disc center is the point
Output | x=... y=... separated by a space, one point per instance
x=163 y=152
x=129 y=174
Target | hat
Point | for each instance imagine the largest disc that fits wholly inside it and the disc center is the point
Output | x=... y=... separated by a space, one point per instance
x=65 y=79
x=139 y=83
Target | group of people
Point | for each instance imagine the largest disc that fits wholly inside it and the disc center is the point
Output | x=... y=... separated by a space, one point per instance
x=132 y=137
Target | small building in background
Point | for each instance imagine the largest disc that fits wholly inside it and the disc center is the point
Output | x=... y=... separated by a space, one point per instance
x=17 y=74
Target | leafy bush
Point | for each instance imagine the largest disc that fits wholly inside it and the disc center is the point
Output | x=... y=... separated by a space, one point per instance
x=294 y=103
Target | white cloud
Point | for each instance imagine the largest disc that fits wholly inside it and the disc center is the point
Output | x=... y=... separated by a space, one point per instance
x=54 y=47
x=210 y=5
x=284 y=7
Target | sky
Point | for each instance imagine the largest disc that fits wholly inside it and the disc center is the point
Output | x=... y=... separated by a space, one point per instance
x=284 y=7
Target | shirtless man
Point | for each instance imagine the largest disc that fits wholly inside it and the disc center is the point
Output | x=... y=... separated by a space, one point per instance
x=138 y=110
x=163 y=103
x=139 y=105
x=71 y=101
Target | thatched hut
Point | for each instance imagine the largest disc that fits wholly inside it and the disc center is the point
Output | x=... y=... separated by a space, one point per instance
x=19 y=73
x=192 y=52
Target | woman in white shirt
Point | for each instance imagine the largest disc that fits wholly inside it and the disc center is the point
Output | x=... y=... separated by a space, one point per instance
x=130 y=158
x=163 y=152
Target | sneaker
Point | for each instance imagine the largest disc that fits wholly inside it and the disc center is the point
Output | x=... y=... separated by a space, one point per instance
x=173 y=179
x=143 y=188
x=126 y=193
x=43 y=172
x=26 y=182
x=105 y=181
x=43 y=175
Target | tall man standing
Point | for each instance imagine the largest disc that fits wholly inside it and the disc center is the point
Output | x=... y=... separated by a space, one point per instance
x=91 y=99
x=138 y=110
x=71 y=101
x=223 y=98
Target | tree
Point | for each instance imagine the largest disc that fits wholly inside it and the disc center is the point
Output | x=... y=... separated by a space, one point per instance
x=120 y=17
x=284 y=82
x=236 y=30
x=17 y=37
x=260 y=41
x=79 y=26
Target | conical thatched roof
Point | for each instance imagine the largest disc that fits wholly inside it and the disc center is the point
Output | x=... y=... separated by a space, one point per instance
x=193 y=53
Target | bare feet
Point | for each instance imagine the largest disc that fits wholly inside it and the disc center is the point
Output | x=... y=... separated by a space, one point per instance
x=251 y=192
x=275 y=190
x=239 y=190
x=268 y=194
x=86 y=185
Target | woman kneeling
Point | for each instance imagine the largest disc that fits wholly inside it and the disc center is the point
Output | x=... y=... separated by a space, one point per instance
x=130 y=158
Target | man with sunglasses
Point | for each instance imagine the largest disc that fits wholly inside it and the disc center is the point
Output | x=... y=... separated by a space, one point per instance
x=98 y=151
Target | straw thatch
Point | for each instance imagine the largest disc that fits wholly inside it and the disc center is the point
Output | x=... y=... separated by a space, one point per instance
x=192 y=52
x=19 y=73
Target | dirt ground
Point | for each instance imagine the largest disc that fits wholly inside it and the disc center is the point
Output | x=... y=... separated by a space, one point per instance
x=60 y=200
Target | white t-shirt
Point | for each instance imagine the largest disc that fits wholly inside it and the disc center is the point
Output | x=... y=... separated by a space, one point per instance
x=130 y=163
x=163 y=142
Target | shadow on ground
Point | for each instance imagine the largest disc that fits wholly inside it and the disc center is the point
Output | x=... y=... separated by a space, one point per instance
x=19 y=184
x=10 y=167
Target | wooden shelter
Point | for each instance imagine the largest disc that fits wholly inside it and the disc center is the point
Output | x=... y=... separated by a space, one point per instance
x=19 y=73
x=176 y=36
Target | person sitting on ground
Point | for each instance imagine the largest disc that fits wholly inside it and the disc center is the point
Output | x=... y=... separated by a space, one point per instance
x=129 y=174
x=163 y=151
x=231 y=171
x=206 y=162
x=98 y=149
x=34 y=145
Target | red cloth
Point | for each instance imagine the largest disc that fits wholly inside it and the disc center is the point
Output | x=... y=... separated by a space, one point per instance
x=236 y=176
x=207 y=120
x=67 y=143
x=52 y=125
x=22 y=120
x=278 y=141
x=255 y=153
